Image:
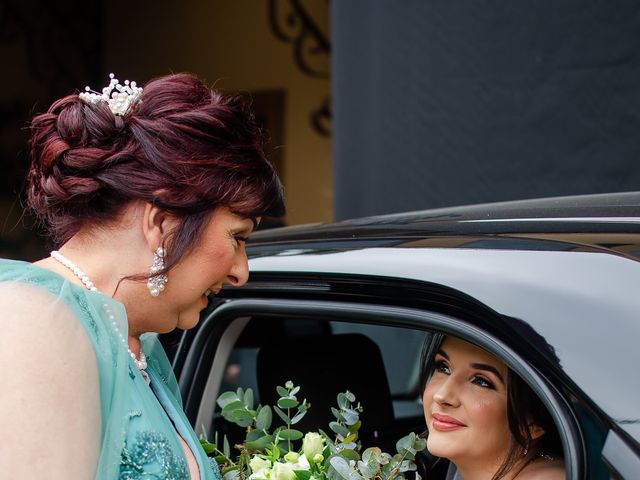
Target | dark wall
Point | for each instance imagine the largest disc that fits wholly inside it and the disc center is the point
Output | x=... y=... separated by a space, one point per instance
x=441 y=103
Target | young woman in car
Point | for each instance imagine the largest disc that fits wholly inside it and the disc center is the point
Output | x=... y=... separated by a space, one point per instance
x=150 y=196
x=485 y=419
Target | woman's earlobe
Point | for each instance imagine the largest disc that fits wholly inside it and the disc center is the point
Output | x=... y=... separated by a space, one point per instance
x=156 y=225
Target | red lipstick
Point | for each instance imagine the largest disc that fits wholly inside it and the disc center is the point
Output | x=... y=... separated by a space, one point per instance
x=445 y=423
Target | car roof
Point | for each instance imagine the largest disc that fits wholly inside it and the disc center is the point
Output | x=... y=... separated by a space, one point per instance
x=599 y=213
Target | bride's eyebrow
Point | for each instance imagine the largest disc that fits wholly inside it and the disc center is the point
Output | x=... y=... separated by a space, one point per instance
x=442 y=353
x=488 y=368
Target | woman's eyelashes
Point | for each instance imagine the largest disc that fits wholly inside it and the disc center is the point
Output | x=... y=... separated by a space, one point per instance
x=240 y=238
x=441 y=366
x=483 y=382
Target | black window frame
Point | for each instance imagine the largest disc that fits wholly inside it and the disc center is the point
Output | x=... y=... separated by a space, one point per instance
x=195 y=361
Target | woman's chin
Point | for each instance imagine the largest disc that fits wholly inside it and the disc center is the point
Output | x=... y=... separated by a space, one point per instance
x=441 y=447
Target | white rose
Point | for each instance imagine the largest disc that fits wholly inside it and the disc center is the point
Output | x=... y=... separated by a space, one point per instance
x=291 y=457
x=301 y=464
x=312 y=444
x=282 y=471
x=257 y=464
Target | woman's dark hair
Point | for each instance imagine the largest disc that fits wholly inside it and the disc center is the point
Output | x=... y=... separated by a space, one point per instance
x=524 y=408
x=183 y=147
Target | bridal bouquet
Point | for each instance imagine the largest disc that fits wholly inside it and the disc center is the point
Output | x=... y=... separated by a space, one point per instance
x=284 y=453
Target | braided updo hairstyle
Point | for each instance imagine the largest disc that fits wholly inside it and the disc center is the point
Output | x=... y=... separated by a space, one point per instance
x=183 y=147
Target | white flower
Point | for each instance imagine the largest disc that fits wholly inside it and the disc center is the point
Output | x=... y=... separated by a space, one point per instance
x=257 y=464
x=312 y=444
x=282 y=471
x=292 y=457
x=260 y=467
x=301 y=464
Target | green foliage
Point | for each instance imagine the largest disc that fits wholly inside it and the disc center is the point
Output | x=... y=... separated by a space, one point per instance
x=318 y=457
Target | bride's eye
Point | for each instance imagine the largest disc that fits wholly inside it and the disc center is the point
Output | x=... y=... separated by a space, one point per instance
x=442 y=367
x=483 y=382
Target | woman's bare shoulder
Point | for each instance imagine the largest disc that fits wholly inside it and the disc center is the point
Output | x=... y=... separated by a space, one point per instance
x=544 y=469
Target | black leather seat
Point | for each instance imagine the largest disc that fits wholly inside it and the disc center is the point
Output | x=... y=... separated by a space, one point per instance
x=323 y=366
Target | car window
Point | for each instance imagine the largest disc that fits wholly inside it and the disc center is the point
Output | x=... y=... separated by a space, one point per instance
x=400 y=350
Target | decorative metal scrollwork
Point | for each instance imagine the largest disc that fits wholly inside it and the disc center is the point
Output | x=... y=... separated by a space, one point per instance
x=296 y=25
x=293 y=23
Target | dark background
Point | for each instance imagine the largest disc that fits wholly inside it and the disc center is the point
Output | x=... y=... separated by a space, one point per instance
x=434 y=103
x=452 y=102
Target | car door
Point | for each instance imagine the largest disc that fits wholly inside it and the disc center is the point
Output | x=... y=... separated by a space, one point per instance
x=368 y=335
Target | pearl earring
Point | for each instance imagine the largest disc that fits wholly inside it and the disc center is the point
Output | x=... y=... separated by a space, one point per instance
x=156 y=281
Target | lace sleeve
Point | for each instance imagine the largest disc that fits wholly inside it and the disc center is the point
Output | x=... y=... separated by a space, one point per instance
x=50 y=424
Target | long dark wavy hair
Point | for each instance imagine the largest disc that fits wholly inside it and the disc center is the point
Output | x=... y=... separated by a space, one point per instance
x=524 y=408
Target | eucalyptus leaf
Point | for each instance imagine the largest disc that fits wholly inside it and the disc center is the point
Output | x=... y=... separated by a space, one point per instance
x=290 y=434
x=245 y=414
x=294 y=391
x=254 y=435
x=240 y=392
x=371 y=453
x=349 y=446
x=264 y=418
x=231 y=475
x=350 y=454
x=226 y=398
x=283 y=392
x=287 y=402
x=420 y=444
x=368 y=469
x=234 y=405
x=339 y=429
x=341 y=466
x=336 y=413
x=282 y=415
x=298 y=417
x=350 y=396
x=355 y=427
x=248 y=398
x=405 y=444
x=350 y=416
x=260 y=443
x=343 y=401
x=226 y=449
x=407 y=466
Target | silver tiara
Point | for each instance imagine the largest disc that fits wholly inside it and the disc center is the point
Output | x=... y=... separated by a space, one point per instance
x=119 y=101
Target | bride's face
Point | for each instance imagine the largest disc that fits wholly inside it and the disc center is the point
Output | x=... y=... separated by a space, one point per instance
x=465 y=405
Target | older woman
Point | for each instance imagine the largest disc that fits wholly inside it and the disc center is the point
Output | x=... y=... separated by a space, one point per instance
x=485 y=419
x=150 y=195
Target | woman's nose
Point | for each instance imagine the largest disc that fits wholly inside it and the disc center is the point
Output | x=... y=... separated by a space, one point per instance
x=446 y=394
x=239 y=273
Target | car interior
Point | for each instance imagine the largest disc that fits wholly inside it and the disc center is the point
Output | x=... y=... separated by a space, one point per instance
x=379 y=364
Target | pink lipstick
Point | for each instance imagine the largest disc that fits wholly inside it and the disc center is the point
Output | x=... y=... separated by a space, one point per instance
x=445 y=423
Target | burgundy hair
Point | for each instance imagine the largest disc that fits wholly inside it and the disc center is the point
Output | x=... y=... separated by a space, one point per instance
x=183 y=147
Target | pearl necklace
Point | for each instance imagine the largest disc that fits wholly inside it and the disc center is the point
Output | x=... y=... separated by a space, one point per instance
x=86 y=281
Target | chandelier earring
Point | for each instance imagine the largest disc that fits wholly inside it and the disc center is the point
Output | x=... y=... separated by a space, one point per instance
x=157 y=282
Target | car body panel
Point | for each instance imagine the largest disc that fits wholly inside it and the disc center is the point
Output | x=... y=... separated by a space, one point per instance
x=554 y=292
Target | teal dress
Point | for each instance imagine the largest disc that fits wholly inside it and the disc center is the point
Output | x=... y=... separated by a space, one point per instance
x=139 y=420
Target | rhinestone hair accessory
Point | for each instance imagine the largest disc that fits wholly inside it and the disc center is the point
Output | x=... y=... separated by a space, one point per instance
x=118 y=97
